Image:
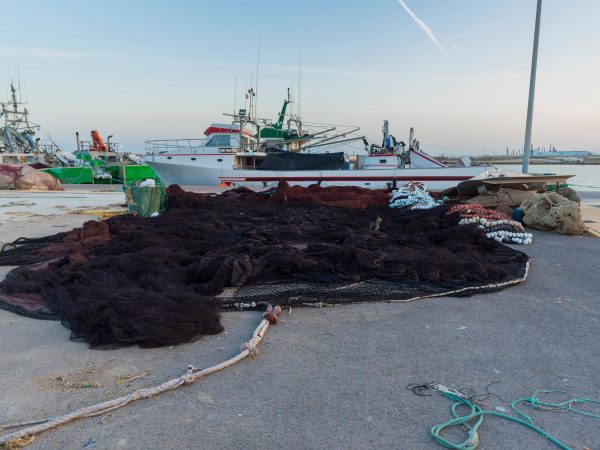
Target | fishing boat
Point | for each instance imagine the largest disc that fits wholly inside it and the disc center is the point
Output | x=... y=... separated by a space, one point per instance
x=18 y=143
x=98 y=162
x=232 y=155
x=94 y=161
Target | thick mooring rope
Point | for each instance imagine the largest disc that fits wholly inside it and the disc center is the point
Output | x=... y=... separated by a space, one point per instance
x=191 y=375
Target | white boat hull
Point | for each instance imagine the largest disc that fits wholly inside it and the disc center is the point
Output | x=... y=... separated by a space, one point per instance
x=186 y=174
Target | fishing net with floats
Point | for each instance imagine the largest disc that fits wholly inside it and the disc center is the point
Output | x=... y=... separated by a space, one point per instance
x=164 y=280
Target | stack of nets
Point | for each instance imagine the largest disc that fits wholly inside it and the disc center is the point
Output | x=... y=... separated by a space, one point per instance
x=22 y=177
x=413 y=195
x=495 y=224
x=164 y=280
x=346 y=197
x=9 y=174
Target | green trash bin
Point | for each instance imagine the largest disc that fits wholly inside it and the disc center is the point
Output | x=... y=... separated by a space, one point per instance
x=144 y=201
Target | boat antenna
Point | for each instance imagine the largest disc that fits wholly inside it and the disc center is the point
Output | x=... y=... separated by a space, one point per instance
x=246 y=95
x=256 y=85
x=19 y=84
x=235 y=94
x=299 y=81
x=25 y=91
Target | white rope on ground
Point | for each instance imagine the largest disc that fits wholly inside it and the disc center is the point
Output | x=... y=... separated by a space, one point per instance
x=190 y=376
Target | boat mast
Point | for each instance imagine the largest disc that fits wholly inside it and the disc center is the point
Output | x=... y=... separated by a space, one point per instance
x=17 y=118
x=386 y=132
x=251 y=117
x=241 y=147
x=411 y=137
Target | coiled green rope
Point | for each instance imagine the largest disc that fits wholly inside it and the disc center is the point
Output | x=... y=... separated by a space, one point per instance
x=476 y=413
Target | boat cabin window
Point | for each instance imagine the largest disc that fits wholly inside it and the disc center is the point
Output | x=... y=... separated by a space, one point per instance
x=382 y=161
x=248 y=161
x=220 y=140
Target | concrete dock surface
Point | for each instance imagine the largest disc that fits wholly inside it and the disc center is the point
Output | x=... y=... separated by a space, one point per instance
x=328 y=378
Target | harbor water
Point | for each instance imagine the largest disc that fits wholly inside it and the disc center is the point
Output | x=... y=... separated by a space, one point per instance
x=586 y=179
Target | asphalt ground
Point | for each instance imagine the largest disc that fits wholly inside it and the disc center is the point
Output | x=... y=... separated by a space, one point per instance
x=331 y=377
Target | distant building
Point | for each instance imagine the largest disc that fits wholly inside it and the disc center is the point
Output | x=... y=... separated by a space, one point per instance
x=561 y=154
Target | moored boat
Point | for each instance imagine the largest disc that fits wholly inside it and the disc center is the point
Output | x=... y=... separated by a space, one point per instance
x=95 y=161
x=231 y=155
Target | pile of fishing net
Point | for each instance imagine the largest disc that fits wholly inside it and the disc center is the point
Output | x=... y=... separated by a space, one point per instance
x=496 y=224
x=413 y=195
x=21 y=177
x=343 y=196
x=164 y=280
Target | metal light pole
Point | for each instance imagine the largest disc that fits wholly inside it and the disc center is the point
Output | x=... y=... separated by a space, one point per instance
x=536 y=40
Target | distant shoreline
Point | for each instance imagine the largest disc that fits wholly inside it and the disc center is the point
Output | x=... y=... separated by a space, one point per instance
x=532 y=161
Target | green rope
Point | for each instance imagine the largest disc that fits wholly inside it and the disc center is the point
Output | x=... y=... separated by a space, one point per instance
x=565 y=406
x=476 y=413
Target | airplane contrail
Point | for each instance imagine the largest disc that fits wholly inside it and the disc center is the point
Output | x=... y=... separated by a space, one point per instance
x=423 y=26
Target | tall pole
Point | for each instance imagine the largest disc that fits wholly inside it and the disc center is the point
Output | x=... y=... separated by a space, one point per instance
x=536 y=40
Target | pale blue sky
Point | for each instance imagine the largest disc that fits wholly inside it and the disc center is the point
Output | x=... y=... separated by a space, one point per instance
x=154 y=69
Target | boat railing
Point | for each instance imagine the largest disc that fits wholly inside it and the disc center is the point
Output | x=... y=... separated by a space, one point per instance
x=195 y=146
x=192 y=146
x=174 y=145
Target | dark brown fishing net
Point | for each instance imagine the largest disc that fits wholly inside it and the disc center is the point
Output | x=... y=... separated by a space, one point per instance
x=346 y=197
x=163 y=280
